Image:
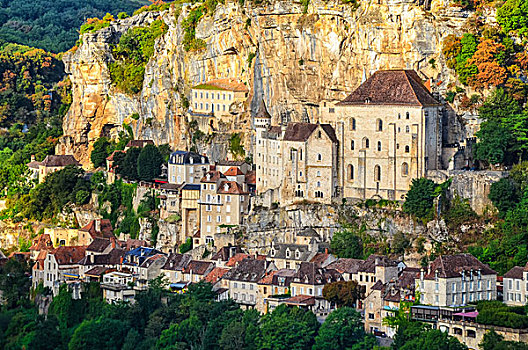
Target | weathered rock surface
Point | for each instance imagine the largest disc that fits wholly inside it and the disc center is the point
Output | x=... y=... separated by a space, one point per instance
x=299 y=61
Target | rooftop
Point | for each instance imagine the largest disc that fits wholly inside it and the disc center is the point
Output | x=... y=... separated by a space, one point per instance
x=223 y=84
x=59 y=161
x=139 y=143
x=302 y=131
x=448 y=266
x=391 y=87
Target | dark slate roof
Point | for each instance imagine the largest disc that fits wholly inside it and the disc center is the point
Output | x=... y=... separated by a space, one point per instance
x=407 y=278
x=279 y=250
x=177 y=262
x=262 y=111
x=98 y=245
x=378 y=285
x=183 y=157
x=308 y=232
x=225 y=253
x=310 y=273
x=302 y=131
x=59 y=160
x=453 y=265
x=391 y=87
x=248 y=270
x=230 y=163
x=373 y=260
x=516 y=272
x=198 y=267
x=112 y=258
x=191 y=187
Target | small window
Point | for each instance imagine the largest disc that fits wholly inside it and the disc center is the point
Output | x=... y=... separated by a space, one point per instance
x=406 y=149
x=352 y=145
x=407 y=115
x=379 y=146
x=405 y=169
x=379 y=125
x=366 y=143
x=331 y=110
x=352 y=124
x=350 y=172
x=407 y=129
x=319 y=157
x=377 y=173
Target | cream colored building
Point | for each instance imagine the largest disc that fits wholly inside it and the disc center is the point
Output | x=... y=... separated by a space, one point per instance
x=186 y=167
x=515 y=286
x=215 y=101
x=51 y=164
x=297 y=162
x=389 y=131
x=453 y=280
x=223 y=204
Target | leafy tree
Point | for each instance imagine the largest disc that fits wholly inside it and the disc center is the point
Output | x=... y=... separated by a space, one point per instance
x=149 y=163
x=235 y=146
x=288 y=328
x=101 y=150
x=14 y=282
x=504 y=195
x=342 y=329
x=101 y=333
x=347 y=243
x=343 y=293
x=186 y=246
x=513 y=16
x=128 y=166
x=494 y=341
x=419 y=201
x=434 y=339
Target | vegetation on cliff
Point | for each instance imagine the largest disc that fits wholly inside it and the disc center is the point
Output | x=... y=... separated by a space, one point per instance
x=53 y=25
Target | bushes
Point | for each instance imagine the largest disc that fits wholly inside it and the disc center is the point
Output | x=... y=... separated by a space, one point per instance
x=188 y=245
x=190 y=42
x=420 y=198
x=499 y=314
x=132 y=53
x=94 y=24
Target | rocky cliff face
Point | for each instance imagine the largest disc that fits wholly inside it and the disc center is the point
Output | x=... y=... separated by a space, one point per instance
x=299 y=61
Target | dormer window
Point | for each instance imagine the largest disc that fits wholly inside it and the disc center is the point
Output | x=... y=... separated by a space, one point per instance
x=288 y=253
x=191 y=160
x=367 y=100
x=297 y=254
x=272 y=252
x=226 y=187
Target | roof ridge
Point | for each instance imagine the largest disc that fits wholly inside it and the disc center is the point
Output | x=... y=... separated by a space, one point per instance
x=412 y=89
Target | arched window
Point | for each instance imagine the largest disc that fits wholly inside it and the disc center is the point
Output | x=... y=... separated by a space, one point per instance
x=352 y=145
x=379 y=125
x=407 y=115
x=379 y=146
x=407 y=129
x=319 y=157
x=366 y=142
x=352 y=124
x=405 y=169
x=406 y=149
x=318 y=194
x=377 y=173
x=350 y=172
x=318 y=183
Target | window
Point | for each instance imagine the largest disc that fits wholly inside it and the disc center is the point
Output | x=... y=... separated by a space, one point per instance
x=208 y=207
x=379 y=125
x=318 y=183
x=436 y=286
x=319 y=157
x=407 y=115
x=331 y=110
x=352 y=124
x=204 y=186
x=366 y=142
x=377 y=173
x=350 y=172
x=300 y=154
x=371 y=316
x=195 y=94
x=218 y=218
x=352 y=145
x=379 y=146
x=300 y=173
x=228 y=198
x=405 y=169
x=318 y=173
x=318 y=194
x=406 y=149
x=209 y=218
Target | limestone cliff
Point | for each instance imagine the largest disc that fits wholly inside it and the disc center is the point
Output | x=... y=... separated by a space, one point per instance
x=299 y=61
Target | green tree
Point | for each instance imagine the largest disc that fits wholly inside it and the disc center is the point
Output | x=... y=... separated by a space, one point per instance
x=347 y=243
x=149 y=163
x=128 y=166
x=14 y=282
x=101 y=150
x=101 y=333
x=504 y=195
x=419 y=201
x=343 y=293
x=494 y=341
x=434 y=339
x=288 y=328
x=342 y=329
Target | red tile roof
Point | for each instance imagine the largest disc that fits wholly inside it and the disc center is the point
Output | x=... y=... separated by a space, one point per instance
x=139 y=143
x=105 y=229
x=224 y=84
x=301 y=300
x=215 y=274
x=198 y=267
x=236 y=259
x=233 y=171
x=230 y=187
x=391 y=87
x=212 y=176
x=111 y=157
x=42 y=242
x=69 y=255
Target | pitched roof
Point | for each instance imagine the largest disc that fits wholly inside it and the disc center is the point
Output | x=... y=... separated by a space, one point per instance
x=96 y=271
x=237 y=163
x=104 y=230
x=198 y=267
x=251 y=177
x=310 y=273
x=516 y=272
x=98 y=245
x=212 y=176
x=233 y=171
x=455 y=265
x=69 y=255
x=248 y=270
x=346 y=265
x=223 y=84
x=59 y=160
x=177 y=262
x=300 y=132
x=139 y=143
x=262 y=111
x=391 y=87
x=112 y=258
x=374 y=260
x=300 y=252
x=33 y=165
x=184 y=157
x=237 y=258
x=224 y=253
x=215 y=274
x=300 y=300
x=230 y=187
x=272 y=278
x=42 y=242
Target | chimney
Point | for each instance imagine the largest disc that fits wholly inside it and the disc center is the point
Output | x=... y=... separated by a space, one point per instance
x=91 y=258
x=113 y=241
x=232 y=251
x=32 y=157
x=326 y=250
x=97 y=225
x=422 y=274
x=171 y=264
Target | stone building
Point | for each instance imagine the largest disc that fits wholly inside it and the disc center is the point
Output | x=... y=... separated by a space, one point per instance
x=297 y=162
x=515 y=286
x=186 y=167
x=216 y=101
x=389 y=131
x=51 y=164
x=452 y=280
